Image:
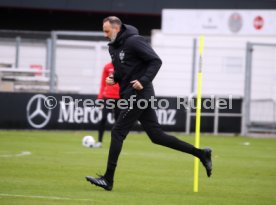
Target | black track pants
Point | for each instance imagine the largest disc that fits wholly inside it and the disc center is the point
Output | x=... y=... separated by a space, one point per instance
x=149 y=121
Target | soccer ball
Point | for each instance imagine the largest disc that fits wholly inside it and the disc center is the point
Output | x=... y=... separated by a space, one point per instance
x=88 y=141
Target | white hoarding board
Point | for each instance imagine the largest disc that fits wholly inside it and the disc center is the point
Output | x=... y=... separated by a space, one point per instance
x=219 y=22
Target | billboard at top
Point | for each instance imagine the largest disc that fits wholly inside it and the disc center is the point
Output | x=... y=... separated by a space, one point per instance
x=219 y=22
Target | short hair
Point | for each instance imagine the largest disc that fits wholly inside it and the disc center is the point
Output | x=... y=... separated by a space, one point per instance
x=113 y=20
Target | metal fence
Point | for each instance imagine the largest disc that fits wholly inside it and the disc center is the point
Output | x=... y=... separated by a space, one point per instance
x=24 y=66
x=259 y=106
x=55 y=35
x=20 y=55
x=259 y=109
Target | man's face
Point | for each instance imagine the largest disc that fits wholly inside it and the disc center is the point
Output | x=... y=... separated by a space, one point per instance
x=110 y=31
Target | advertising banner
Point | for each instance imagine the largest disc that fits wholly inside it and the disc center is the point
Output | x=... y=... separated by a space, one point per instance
x=219 y=22
x=78 y=112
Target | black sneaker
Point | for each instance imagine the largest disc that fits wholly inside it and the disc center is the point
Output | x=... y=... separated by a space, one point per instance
x=206 y=160
x=101 y=182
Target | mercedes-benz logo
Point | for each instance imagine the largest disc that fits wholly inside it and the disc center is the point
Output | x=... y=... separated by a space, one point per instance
x=37 y=113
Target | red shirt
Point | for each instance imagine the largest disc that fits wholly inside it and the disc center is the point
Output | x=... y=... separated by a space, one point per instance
x=108 y=91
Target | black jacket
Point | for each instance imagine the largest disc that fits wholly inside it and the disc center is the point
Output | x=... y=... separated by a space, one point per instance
x=133 y=59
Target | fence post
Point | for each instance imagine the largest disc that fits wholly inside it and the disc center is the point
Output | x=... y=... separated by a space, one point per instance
x=48 y=55
x=193 y=66
x=247 y=89
x=53 y=63
x=216 y=116
x=17 y=50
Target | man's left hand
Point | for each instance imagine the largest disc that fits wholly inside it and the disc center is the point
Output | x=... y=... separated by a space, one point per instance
x=137 y=85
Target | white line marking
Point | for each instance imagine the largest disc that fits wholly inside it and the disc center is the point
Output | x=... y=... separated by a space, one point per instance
x=23 y=153
x=44 y=197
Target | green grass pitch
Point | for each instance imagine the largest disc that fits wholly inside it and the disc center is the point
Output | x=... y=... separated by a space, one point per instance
x=48 y=167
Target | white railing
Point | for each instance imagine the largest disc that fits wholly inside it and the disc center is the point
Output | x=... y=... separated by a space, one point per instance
x=24 y=79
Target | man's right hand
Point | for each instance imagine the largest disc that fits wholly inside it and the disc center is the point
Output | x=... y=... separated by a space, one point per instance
x=109 y=80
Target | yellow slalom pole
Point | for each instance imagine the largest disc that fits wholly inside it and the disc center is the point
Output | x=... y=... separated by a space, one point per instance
x=198 y=111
